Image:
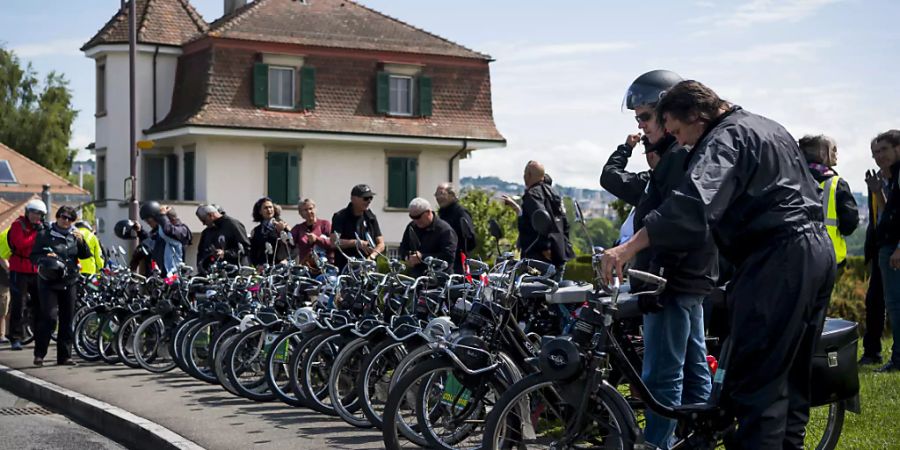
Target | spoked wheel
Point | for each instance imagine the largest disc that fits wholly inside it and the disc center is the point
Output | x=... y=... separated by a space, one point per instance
x=278 y=366
x=377 y=372
x=316 y=370
x=532 y=415
x=343 y=381
x=221 y=344
x=106 y=340
x=151 y=345
x=245 y=363
x=125 y=339
x=196 y=350
x=824 y=428
x=87 y=333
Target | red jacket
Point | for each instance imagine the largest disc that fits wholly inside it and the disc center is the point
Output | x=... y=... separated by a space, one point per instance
x=21 y=239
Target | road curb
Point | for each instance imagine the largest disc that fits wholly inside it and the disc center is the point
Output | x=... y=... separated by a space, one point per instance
x=111 y=421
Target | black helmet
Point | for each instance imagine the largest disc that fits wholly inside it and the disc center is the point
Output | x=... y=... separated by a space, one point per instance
x=124 y=229
x=149 y=209
x=51 y=268
x=648 y=88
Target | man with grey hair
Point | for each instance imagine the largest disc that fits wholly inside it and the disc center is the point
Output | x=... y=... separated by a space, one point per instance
x=224 y=238
x=455 y=214
x=426 y=235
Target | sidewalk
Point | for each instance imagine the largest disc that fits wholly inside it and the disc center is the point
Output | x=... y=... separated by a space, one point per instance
x=199 y=412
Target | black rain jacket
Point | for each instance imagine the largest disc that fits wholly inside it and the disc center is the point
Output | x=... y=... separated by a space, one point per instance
x=625 y=185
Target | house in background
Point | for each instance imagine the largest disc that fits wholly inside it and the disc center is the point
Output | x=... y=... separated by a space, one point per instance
x=288 y=99
x=22 y=178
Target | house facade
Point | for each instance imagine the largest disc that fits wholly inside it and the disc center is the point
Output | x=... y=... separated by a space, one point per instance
x=287 y=99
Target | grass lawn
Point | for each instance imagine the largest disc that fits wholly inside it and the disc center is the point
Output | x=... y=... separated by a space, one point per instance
x=878 y=427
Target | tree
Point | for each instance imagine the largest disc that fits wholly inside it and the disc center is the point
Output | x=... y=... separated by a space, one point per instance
x=36 y=119
x=622 y=210
x=483 y=207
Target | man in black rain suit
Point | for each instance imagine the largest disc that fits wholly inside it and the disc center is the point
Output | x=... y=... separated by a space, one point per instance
x=748 y=186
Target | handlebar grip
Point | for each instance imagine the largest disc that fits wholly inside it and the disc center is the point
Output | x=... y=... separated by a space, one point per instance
x=647 y=277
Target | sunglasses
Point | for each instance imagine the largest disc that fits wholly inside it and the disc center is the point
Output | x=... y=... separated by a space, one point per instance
x=417 y=216
x=69 y=218
x=643 y=117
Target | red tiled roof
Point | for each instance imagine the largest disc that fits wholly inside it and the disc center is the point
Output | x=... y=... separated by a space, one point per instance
x=166 y=22
x=214 y=89
x=332 y=23
x=31 y=176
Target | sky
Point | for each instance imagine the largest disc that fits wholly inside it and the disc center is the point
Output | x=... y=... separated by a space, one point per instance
x=561 y=68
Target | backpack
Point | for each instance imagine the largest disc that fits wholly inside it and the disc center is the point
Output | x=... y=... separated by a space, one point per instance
x=561 y=246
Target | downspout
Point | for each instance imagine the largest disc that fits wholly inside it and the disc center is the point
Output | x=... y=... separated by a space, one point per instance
x=155 y=54
x=462 y=150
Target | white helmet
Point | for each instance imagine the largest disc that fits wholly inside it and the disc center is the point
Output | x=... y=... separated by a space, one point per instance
x=36 y=205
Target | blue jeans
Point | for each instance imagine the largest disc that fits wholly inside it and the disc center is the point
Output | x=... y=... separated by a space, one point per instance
x=890 y=279
x=675 y=368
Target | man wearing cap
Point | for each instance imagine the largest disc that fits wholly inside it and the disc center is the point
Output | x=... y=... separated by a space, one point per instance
x=357 y=227
x=426 y=235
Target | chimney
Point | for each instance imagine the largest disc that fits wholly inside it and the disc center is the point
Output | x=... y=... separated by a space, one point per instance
x=47 y=198
x=232 y=5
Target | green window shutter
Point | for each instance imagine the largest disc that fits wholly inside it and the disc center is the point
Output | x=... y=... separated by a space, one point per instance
x=100 y=178
x=172 y=177
x=278 y=180
x=424 y=96
x=308 y=88
x=189 y=163
x=397 y=183
x=382 y=93
x=154 y=178
x=260 y=85
x=411 y=179
x=293 y=179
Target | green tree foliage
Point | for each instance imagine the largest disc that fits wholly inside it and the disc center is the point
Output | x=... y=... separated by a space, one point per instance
x=36 y=118
x=622 y=210
x=483 y=207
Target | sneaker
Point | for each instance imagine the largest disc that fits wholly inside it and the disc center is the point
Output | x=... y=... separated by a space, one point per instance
x=38 y=362
x=889 y=367
x=870 y=360
x=16 y=345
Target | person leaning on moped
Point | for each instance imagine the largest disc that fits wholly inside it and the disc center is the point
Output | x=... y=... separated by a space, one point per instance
x=748 y=186
x=56 y=252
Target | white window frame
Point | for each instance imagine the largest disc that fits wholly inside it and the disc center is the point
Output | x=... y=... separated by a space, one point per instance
x=293 y=93
x=392 y=93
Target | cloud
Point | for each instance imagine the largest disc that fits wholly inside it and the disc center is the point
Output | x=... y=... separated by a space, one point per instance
x=58 y=47
x=522 y=51
x=792 y=52
x=758 y=12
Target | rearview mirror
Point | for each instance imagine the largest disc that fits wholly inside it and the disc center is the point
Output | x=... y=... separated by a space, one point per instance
x=579 y=215
x=495 y=229
x=121 y=250
x=541 y=222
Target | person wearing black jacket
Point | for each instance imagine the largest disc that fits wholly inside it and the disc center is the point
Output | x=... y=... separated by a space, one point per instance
x=748 y=186
x=56 y=252
x=624 y=185
x=270 y=241
x=224 y=238
x=459 y=219
x=821 y=154
x=674 y=368
x=167 y=238
x=357 y=227
x=539 y=195
x=426 y=236
x=887 y=240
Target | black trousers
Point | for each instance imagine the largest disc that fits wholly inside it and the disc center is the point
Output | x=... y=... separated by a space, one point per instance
x=778 y=298
x=23 y=291
x=874 y=312
x=56 y=305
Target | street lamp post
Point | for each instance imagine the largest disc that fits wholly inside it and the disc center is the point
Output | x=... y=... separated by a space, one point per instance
x=132 y=137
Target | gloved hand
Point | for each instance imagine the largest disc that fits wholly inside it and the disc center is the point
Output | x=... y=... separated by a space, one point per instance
x=649 y=304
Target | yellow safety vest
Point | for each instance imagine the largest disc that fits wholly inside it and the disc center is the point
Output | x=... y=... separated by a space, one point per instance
x=829 y=188
x=5 y=251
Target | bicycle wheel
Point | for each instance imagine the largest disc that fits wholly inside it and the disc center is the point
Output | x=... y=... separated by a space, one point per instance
x=343 y=380
x=87 y=331
x=296 y=364
x=245 y=363
x=222 y=345
x=178 y=342
x=278 y=365
x=196 y=350
x=376 y=373
x=824 y=427
x=125 y=339
x=106 y=339
x=316 y=370
x=151 y=345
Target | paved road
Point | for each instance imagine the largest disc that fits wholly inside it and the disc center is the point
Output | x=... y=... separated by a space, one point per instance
x=25 y=426
x=201 y=412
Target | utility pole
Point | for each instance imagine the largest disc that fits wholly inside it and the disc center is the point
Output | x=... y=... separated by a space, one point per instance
x=132 y=137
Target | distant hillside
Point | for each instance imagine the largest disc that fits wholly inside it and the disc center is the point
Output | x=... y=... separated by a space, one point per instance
x=496 y=184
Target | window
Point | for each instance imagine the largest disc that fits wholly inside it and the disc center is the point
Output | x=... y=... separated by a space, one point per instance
x=189 y=167
x=6 y=173
x=403 y=95
x=101 y=88
x=160 y=174
x=281 y=87
x=283 y=177
x=100 y=180
x=402 y=181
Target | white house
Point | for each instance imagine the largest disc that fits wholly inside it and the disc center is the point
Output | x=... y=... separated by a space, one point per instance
x=289 y=99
